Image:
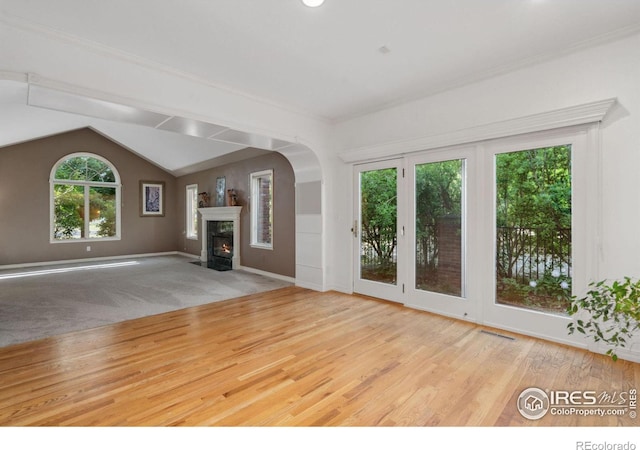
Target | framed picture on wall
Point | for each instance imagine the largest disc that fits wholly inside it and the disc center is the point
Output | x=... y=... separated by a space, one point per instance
x=151 y=198
x=220 y=191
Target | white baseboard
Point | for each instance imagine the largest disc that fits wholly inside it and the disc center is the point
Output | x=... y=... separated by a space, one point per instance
x=268 y=274
x=189 y=255
x=623 y=353
x=340 y=288
x=82 y=260
x=312 y=286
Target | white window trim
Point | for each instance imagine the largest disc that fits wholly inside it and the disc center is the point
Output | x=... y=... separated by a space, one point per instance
x=53 y=181
x=585 y=114
x=254 y=209
x=191 y=206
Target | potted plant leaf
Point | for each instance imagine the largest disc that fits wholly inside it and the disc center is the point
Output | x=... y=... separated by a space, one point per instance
x=611 y=312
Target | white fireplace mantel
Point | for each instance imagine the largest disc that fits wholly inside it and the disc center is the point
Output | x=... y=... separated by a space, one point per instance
x=225 y=214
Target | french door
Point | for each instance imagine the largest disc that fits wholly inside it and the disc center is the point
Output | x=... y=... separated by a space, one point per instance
x=440 y=211
x=539 y=232
x=499 y=232
x=379 y=230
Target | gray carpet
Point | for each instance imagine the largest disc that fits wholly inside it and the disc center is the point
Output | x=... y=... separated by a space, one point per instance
x=46 y=301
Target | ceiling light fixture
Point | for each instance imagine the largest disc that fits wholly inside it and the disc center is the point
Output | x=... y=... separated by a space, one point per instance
x=313 y=3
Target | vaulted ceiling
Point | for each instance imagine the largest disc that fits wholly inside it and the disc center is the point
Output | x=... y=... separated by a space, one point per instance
x=343 y=59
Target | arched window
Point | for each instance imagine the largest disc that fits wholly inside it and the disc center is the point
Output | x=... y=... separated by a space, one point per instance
x=85 y=199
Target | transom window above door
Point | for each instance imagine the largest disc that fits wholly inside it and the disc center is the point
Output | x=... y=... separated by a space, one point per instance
x=85 y=199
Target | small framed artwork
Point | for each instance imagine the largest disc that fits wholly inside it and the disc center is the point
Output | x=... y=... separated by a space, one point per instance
x=220 y=191
x=151 y=198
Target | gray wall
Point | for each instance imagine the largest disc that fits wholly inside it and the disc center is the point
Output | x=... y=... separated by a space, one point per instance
x=280 y=260
x=24 y=201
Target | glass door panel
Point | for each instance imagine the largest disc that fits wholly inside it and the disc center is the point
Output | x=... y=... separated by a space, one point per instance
x=539 y=238
x=378 y=225
x=439 y=234
x=377 y=245
x=533 y=229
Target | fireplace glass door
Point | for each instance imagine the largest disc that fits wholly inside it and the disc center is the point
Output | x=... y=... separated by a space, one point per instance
x=220 y=244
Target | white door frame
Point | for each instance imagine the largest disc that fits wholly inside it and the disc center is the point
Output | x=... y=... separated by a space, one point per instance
x=479 y=305
x=584 y=156
x=393 y=292
x=464 y=307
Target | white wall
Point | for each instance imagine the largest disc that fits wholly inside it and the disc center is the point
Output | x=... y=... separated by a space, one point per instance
x=608 y=71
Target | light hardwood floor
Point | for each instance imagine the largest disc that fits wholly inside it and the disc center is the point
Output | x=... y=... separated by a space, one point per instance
x=294 y=357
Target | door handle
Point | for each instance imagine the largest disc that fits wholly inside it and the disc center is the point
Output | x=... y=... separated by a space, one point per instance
x=354 y=229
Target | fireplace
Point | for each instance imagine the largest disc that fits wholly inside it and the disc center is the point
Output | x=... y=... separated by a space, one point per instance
x=220 y=231
x=220 y=244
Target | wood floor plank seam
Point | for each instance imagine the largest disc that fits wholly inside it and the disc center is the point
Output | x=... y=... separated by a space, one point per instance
x=294 y=357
